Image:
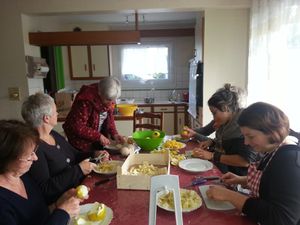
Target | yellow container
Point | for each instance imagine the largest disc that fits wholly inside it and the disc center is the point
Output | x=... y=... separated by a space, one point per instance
x=126 y=109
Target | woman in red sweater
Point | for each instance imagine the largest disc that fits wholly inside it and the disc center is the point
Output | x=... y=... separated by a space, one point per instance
x=90 y=124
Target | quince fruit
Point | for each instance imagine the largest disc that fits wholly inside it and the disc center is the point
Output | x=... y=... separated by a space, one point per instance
x=184 y=133
x=98 y=212
x=80 y=221
x=82 y=192
x=156 y=134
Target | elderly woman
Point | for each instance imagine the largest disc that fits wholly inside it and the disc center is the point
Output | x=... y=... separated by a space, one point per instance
x=21 y=201
x=59 y=166
x=229 y=152
x=275 y=180
x=90 y=123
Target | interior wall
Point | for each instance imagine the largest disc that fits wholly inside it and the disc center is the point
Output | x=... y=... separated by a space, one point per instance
x=12 y=59
x=225 y=52
x=12 y=63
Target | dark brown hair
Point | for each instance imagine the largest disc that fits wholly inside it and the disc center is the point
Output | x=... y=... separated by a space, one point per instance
x=229 y=98
x=266 y=118
x=14 y=138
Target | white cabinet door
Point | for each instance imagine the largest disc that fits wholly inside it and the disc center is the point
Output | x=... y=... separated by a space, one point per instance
x=180 y=121
x=89 y=62
x=169 y=123
x=99 y=61
x=79 y=62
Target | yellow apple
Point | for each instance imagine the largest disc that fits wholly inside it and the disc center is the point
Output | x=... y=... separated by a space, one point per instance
x=155 y=134
x=82 y=191
x=98 y=212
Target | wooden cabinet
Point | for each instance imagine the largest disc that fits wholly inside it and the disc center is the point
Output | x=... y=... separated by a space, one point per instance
x=169 y=120
x=88 y=62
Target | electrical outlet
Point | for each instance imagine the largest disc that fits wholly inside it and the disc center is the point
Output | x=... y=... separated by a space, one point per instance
x=14 y=93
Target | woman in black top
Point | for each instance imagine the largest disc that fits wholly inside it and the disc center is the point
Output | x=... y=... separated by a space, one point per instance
x=227 y=149
x=275 y=180
x=59 y=166
x=21 y=200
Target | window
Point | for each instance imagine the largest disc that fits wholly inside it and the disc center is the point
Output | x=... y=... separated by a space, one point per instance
x=146 y=62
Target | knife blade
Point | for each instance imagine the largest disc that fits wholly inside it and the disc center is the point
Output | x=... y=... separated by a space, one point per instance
x=104 y=181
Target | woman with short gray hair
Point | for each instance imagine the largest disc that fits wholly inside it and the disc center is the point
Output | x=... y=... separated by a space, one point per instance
x=59 y=166
x=90 y=124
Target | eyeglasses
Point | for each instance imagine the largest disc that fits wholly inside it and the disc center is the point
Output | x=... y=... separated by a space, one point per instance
x=32 y=154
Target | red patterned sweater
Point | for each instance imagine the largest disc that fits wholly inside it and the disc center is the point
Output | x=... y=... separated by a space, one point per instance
x=82 y=123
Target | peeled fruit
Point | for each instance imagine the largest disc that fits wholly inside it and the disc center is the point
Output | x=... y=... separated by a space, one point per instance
x=82 y=191
x=155 y=134
x=98 y=212
x=184 y=133
x=80 y=221
x=127 y=149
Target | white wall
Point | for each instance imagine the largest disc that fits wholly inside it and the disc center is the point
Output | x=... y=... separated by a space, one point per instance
x=225 y=51
x=12 y=62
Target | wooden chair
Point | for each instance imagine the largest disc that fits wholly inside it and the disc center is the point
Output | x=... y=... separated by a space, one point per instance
x=147 y=121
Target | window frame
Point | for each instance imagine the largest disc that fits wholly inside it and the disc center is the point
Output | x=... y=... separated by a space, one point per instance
x=148 y=84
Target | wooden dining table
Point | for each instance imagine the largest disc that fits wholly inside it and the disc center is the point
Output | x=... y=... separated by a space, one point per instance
x=131 y=207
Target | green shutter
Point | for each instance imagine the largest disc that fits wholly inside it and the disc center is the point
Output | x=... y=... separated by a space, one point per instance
x=59 y=68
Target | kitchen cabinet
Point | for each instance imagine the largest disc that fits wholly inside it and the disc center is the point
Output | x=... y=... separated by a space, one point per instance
x=181 y=118
x=169 y=121
x=88 y=62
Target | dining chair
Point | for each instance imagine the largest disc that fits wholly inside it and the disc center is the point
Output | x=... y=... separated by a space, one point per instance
x=147 y=121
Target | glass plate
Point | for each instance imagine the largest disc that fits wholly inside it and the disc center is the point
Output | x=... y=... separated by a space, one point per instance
x=195 y=165
x=213 y=204
x=83 y=214
x=115 y=163
x=198 y=201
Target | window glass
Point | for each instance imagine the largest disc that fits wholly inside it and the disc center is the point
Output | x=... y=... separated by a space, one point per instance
x=145 y=62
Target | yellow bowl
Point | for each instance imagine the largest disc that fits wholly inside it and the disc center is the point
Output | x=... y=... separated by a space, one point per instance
x=126 y=109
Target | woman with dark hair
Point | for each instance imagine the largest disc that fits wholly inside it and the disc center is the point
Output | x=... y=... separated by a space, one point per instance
x=90 y=124
x=21 y=201
x=227 y=149
x=275 y=180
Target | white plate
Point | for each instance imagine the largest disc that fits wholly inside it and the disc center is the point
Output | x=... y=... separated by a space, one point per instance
x=115 y=163
x=195 y=165
x=213 y=204
x=87 y=207
x=168 y=207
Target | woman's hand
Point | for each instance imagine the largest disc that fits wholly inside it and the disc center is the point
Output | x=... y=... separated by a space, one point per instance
x=119 y=139
x=189 y=132
x=69 y=203
x=102 y=154
x=217 y=192
x=231 y=178
x=205 y=144
x=202 y=154
x=86 y=166
x=104 y=140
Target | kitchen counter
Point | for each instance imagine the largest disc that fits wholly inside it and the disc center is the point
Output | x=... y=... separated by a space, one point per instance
x=63 y=114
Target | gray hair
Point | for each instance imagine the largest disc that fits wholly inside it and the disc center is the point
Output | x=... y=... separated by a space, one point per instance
x=35 y=107
x=109 y=88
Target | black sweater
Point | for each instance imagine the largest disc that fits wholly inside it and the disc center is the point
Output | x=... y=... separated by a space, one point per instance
x=279 y=190
x=57 y=169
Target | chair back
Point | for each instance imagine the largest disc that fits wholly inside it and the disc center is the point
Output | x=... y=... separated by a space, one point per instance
x=147 y=121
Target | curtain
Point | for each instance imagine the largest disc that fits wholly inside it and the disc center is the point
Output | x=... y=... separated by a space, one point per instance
x=274 y=56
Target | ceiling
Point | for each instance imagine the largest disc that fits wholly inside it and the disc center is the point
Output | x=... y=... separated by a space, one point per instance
x=125 y=18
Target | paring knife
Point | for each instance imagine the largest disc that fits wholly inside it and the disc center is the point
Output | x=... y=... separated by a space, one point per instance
x=104 y=181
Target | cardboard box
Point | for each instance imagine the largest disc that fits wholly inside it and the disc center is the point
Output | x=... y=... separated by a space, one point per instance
x=140 y=182
x=64 y=101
